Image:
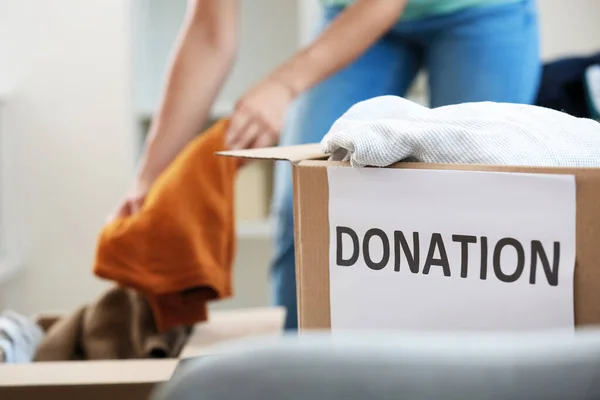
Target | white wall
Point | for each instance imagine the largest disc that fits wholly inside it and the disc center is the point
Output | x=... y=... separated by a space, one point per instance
x=569 y=27
x=67 y=125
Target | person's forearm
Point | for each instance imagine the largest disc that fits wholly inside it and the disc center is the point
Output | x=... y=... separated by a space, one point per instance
x=199 y=68
x=348 y=36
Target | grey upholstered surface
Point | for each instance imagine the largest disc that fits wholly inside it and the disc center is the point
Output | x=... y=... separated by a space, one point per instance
x=549 y=365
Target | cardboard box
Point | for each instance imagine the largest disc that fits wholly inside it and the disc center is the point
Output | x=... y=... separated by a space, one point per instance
x=130 y=379
x=312 y=241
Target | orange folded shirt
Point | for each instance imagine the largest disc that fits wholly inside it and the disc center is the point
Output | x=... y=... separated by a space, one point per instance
x=178 y=249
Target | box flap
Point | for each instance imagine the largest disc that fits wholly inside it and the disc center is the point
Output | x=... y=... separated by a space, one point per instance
x=225 y=326
x=293 y=154
x=87 y=372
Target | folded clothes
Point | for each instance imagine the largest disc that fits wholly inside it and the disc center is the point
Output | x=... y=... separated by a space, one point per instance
x=19 y=338
x=119 y=325
x=592 y=90
x=384 y=130
x=564 y=86
x=178 y=249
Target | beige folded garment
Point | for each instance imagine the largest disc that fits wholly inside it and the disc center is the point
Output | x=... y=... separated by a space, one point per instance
x=120 y=325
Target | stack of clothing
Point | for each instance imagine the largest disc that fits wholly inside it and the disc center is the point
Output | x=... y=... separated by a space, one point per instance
x=592 y=85
x=571 y=85
x=388 y=129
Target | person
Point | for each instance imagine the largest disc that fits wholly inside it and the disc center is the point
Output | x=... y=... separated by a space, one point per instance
x=473 y=50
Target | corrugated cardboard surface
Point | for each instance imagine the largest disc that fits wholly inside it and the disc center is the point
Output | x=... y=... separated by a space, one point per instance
x=130 y=379
x=290 y=153
x=253 y=188
x=311 y=201
x=232 y=325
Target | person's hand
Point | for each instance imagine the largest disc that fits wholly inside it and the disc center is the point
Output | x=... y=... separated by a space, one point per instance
x=132 y=202
x=259 y=116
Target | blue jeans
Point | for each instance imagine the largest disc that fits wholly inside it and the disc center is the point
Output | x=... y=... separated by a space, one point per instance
x=478 y=54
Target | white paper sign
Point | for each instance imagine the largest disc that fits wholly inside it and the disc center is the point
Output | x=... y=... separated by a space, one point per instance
x=450 y=250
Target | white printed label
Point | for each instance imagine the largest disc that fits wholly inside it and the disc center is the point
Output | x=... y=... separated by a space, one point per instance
x=450 y=250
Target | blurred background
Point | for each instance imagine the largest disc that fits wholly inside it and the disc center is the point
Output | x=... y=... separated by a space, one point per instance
x=79 y=84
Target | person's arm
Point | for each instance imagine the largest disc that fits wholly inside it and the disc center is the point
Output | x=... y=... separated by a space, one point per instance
x=349 y=35
x=260 y=114
x=202 y=60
